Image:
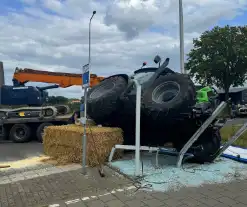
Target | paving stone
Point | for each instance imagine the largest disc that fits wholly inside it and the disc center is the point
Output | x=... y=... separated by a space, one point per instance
x=227 y=201
x=58 y=204
x=123 y=196
x=115 y=203
x=106 y=198
x=60 y=187
x=97 y=203
x=197 y=196
x=242 y=199
x=220 y=205
x=3 y=182
x=135 y=203
x=190 y=202
x=209 y=201
x=140 y=195
x=172 y=202
x=240 y=205
x=153 y=202
x=77 y=204
x=15 y=179
x=160 y=195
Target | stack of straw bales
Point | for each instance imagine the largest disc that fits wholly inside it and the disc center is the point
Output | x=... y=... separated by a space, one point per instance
x=64 y=143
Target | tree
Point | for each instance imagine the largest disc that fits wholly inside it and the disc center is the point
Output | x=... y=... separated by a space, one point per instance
x=219 y=57
x=57 y=100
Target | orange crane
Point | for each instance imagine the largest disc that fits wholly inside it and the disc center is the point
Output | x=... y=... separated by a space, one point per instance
x=23 y=109
x=35 y=97
x=64 y=80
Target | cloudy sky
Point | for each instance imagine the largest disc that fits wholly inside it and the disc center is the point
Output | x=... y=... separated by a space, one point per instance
x=53 y=34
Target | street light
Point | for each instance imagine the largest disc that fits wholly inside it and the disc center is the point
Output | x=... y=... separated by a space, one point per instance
x=84 y=151
x=181 y=34
x=89 y=36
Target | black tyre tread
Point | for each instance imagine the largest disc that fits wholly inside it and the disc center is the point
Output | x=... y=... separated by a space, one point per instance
x=103 y=108
x=181 y=104
x=13 y=136
x=40 y=129
x=210 y=140
x=211 y=145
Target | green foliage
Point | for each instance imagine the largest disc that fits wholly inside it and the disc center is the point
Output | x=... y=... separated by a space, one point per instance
x=74 y=106
x=57 y=100
x=219 y=57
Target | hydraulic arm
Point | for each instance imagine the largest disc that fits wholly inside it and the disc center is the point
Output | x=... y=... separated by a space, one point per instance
x=64 y=80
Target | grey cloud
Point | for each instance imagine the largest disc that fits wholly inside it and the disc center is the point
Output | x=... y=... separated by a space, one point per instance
x=120 y=38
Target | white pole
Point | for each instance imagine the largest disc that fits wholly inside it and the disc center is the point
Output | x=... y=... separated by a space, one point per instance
x=181 y=34
x=84 y=150
x=138 y=125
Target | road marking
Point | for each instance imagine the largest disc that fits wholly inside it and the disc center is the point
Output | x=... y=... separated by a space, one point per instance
x=94 y=196
x=85 y=198
x=104 y=194
x=73 y=201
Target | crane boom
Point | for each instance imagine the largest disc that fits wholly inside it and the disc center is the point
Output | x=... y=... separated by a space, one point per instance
x=64 y=80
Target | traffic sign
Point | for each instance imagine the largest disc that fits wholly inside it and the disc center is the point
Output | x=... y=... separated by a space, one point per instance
x=85 y=76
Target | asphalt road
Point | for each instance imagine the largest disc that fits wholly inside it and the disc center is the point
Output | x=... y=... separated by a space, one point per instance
x=236 y=121
x=19 y=151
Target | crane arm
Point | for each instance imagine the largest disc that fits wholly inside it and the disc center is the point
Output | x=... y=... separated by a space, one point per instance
x=64 y=80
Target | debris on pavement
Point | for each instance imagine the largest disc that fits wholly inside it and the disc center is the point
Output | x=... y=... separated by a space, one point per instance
x=169 y=177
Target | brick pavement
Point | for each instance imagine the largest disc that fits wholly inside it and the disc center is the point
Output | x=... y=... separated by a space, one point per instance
x=71 y=188
x=18 y=174
x=43 y=190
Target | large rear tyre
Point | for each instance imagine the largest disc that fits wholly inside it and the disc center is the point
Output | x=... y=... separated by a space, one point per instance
x=209 y=148
x=170 y=96
x=40 y=130
x=103 y=99
x=20 y=133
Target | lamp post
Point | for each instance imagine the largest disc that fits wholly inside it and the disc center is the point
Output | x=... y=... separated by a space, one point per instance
x=89 y=36
x=89 y=61
x=181 y=34
x=84 y=151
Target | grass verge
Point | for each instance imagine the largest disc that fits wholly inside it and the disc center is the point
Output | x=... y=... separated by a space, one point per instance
x=228 y=131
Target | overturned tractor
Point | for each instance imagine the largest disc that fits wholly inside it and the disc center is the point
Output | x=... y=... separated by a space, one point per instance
x=171 y=109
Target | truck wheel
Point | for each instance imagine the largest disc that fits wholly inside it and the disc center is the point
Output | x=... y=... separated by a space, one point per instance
x=169 y=97
x=3 y=134
x=40 y=130
x=103 y=99
x=20 y=133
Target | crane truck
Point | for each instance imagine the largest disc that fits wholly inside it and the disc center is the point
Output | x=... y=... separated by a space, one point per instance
x=23 y=112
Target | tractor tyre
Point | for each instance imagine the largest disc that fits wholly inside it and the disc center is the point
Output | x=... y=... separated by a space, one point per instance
x=103 y=99
x=170 y=96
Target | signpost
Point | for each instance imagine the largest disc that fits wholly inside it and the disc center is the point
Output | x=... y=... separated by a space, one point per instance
x=85 y=76
x=85 y=85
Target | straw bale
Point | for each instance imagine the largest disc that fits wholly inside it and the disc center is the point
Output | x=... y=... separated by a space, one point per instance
x=64 y=143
